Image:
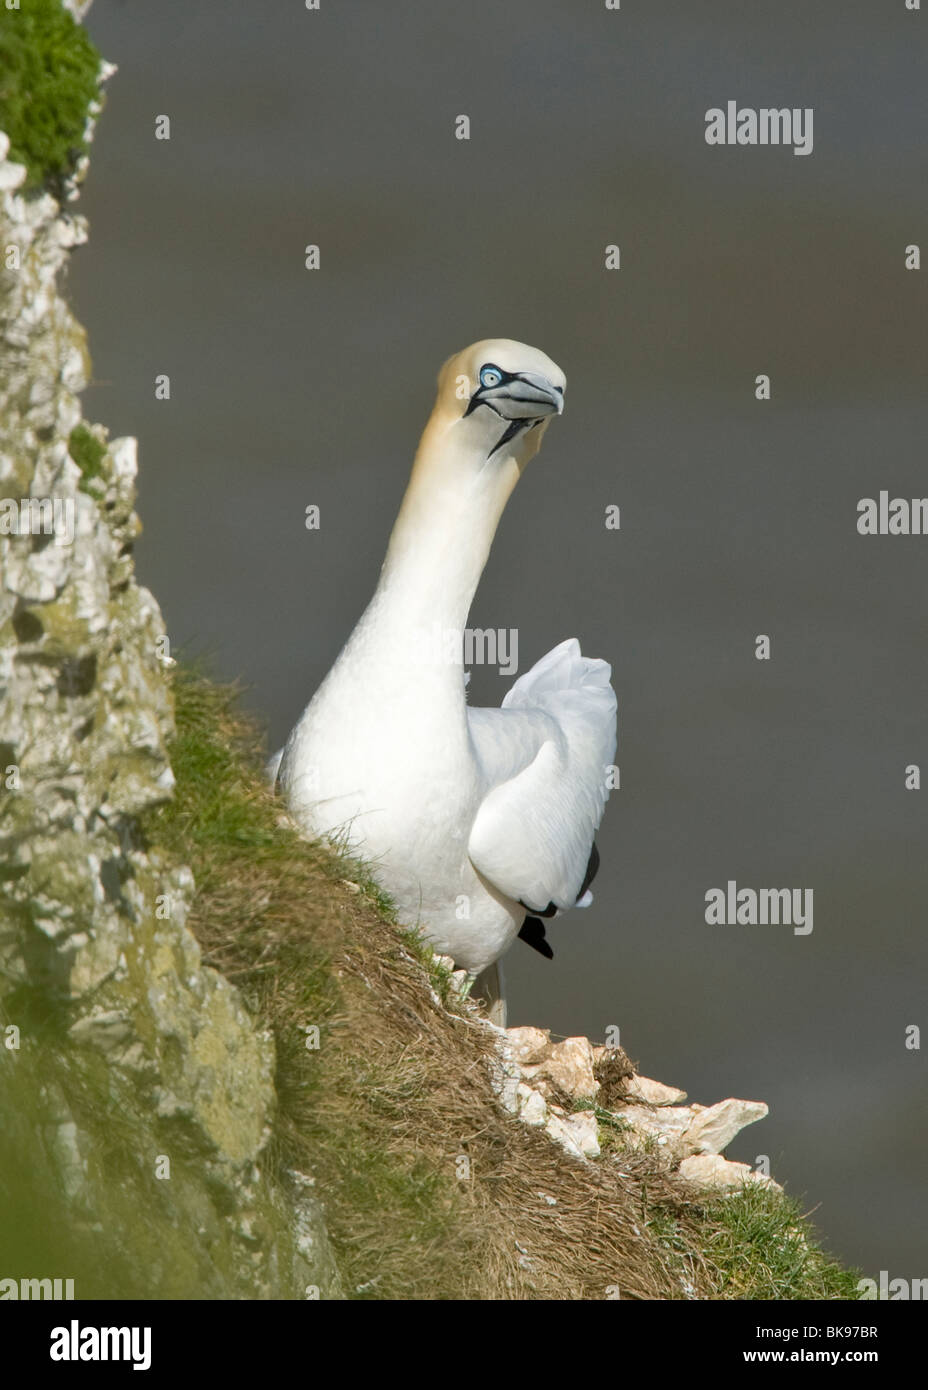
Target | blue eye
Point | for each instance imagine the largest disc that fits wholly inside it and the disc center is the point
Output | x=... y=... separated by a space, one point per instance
x=490 y=375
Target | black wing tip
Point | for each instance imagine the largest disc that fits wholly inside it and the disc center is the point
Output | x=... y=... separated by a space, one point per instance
x=533 y=934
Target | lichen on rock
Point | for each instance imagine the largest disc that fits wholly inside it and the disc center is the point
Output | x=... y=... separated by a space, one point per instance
x=138 y=1091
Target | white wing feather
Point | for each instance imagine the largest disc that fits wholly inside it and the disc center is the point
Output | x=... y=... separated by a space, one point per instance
x=545 y=756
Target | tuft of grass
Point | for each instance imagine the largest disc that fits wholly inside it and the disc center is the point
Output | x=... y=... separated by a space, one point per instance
x=48 y=78
x=759 y=1245
x=612 y=1130
x=429 y=1189
x=88 y=453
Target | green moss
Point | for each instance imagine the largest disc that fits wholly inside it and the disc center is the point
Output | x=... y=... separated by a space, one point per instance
x=612 y=1131
x=88 y=453
x=48 y=78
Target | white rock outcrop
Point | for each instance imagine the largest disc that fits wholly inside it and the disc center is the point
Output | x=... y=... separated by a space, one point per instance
x=536 y=1078
x=712 y=1130
x=714 y=1171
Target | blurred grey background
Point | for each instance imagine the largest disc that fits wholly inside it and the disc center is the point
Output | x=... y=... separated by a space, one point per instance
x=738 y=518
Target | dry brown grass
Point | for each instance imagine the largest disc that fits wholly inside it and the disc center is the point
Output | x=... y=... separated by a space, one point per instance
x=431 y=1190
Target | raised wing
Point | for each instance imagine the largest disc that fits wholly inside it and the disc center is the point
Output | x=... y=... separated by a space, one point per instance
x=545 y=755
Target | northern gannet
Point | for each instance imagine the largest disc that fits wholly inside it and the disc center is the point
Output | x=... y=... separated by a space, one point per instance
x=478 y=822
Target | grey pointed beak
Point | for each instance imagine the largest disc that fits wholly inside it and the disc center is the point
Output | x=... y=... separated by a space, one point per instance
x=528 y=396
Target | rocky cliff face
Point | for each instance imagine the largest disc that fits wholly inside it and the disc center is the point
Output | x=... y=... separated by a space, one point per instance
x=137 y=1089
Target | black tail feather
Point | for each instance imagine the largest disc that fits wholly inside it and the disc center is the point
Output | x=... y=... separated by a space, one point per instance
x=533 y=932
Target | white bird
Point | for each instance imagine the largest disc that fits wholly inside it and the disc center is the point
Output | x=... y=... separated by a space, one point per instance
x=478 y=822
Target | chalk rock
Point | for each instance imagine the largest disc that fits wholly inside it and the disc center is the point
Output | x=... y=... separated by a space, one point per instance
x=559 y=1130
x=713 y=1171
x=665 y=1126
x=533 y=1108
x=11 y=175
x=653 y=1092
x=529 y=1045
x=692 y=1136
x=569 y=1066
x=582 y=1127
x=713 y=1129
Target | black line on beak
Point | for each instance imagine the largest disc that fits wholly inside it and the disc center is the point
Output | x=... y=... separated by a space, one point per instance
x=509 y=433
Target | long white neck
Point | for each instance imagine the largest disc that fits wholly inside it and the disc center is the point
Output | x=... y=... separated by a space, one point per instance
x=442 y=536
x=405 y=657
